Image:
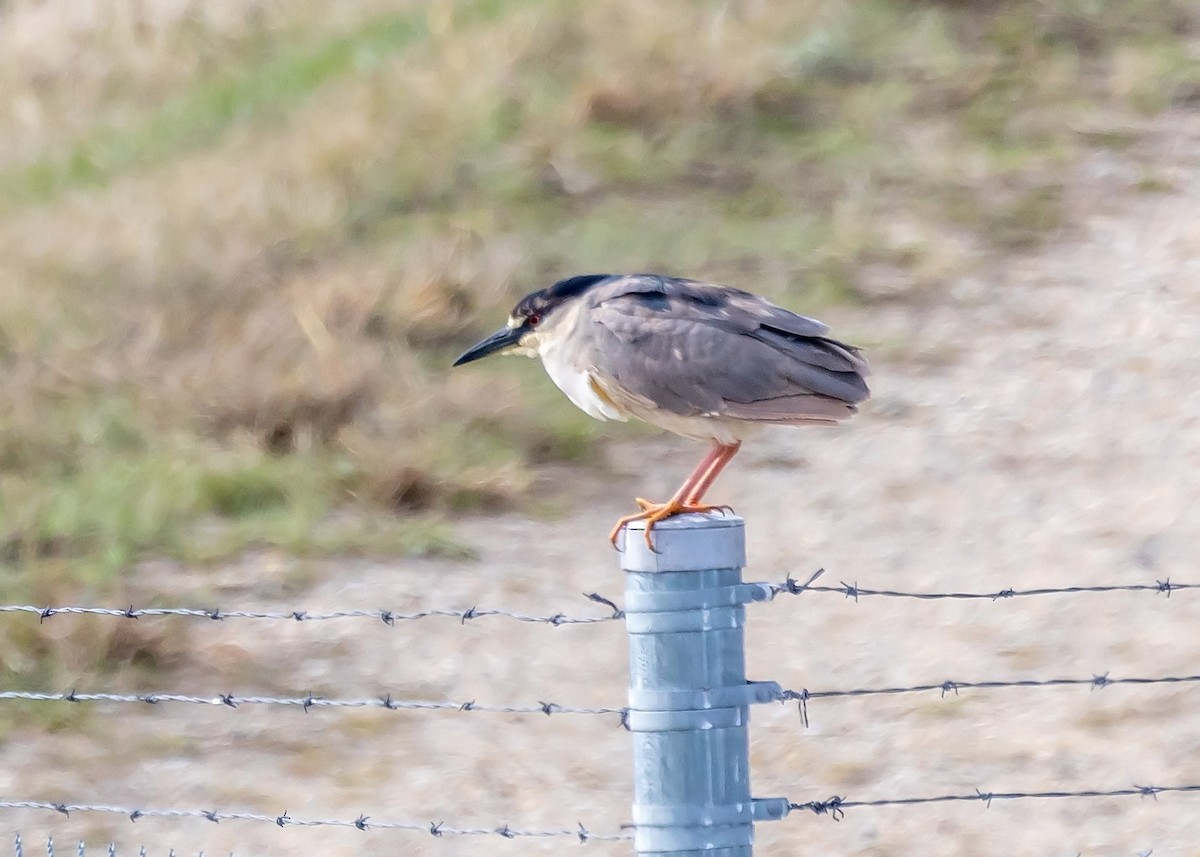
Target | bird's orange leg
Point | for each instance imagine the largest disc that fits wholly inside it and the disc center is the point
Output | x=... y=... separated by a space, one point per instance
x=687 y=498
x=688 y=488
x=710 y=476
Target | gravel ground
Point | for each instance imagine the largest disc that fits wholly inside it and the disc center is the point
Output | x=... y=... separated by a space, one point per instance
x=1039 y=427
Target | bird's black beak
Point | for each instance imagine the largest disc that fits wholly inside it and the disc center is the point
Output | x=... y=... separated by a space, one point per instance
x=505 y=337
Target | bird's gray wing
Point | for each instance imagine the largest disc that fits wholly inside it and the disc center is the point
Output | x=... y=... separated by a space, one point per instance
x=693 y=348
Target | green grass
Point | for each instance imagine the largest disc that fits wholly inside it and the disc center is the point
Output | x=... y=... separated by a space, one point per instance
x=256 y=89
x=118 y=504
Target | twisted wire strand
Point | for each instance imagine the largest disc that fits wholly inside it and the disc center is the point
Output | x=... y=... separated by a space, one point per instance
x=789 y=586
x=363 y=822
x=387 y=617
x=802 y=697
x=835 y=806
x=1096 y=682
x=308 y=702
x=792 y=586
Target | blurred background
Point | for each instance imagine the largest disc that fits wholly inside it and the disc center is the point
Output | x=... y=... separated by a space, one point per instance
x=241 y=241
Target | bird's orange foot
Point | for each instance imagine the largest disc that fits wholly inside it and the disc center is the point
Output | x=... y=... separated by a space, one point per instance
x=652 y=513
x=687 y=506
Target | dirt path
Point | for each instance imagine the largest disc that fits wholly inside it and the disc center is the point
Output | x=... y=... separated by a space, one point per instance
x=1040 y=427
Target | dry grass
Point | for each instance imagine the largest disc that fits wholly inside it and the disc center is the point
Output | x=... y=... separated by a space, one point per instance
x=240 y=241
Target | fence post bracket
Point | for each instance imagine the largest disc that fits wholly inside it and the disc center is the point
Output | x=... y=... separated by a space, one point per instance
x=771 y=808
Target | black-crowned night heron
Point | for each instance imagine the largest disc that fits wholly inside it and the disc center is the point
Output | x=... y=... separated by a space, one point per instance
x=704 y=361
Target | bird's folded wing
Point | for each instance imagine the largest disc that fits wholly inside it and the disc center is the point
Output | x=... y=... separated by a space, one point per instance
x=693 y=349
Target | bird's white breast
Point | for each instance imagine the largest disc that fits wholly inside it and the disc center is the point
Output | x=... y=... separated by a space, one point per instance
x=576 y=382
x=568 y=368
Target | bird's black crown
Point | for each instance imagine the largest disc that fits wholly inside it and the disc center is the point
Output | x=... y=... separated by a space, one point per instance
x=544 y=300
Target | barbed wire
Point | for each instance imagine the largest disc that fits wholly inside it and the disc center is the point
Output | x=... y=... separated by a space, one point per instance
x=80 y=849
x=801 y=697
x=309 y=701
x=363 y=822
x=789 y=586
x=1096 y=682
x=835 y=806
x=792 y=586
x=387 y=617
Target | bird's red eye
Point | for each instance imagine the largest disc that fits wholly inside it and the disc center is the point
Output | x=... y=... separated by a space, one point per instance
x=533 y=320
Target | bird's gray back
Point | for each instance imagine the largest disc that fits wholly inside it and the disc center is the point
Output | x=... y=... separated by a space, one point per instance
x=694 y=349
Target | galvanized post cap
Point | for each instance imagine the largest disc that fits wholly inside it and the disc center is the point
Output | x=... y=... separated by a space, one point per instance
x=690 y=542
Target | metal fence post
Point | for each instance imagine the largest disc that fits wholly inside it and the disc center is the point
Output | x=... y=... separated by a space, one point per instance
x=688 y=695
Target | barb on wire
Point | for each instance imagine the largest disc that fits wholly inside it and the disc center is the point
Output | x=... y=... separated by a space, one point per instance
x=363 y=822
x=1096 y=681
x=308 y=702
x=79 y=849
x=388 y=617
x=836 y=806
x=791 y=586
